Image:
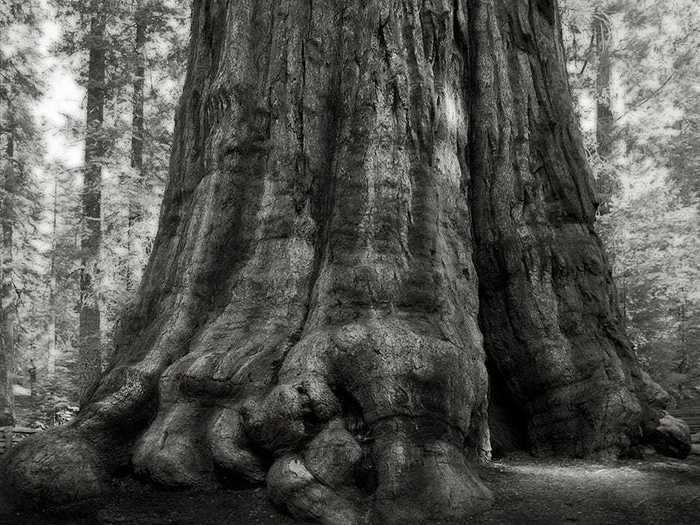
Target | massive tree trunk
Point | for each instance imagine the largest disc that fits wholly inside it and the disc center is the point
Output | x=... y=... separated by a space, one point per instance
x=91 y=237
x=366 y=200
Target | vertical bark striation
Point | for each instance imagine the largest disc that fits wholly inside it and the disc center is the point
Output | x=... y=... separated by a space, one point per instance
x=357 y=194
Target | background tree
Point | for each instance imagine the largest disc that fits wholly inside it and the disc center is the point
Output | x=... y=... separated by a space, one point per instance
x=19 y=88
x=137 y=133
x=120 y=149
x=91 y=238
x=606 y=181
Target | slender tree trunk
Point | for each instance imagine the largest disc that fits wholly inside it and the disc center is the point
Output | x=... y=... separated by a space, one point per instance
x=604 y=120
x=366 y=199
x=137 y=135
x=604 y=115
x=8 y=297
x=91 y=237
x=52 y=350
x=684 y=364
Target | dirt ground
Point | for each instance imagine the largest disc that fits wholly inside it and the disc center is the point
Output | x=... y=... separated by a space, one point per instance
x=658 y=491
x=527 y=490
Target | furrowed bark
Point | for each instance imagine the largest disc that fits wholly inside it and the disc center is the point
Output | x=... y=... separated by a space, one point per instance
x=547 y=297
x=365 y=202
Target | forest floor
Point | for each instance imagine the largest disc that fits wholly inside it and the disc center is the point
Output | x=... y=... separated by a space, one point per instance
x=527 y=491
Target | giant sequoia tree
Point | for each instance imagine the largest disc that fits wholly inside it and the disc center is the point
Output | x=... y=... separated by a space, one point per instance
x=373 y=207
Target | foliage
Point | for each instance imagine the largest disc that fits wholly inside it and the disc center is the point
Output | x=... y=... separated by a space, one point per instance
x=20 y=153
x=47 y=243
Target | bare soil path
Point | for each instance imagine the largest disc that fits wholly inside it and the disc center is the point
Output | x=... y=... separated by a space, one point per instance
x=652 y=492
x=528 y=491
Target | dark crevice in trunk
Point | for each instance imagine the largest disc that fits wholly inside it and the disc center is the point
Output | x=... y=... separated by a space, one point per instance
x=508 y=421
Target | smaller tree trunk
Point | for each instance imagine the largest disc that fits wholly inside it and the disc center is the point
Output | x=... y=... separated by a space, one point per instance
x=604 y=116
x=136 y=146
x=51 y=357
x=8 y=308
x=605 y=122
x=91 y=237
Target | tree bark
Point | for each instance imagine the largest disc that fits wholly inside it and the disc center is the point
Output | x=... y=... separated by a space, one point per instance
x=8 y=306
x=91 y=236
x=547 y=297
x=365 y=201
x=137 y=136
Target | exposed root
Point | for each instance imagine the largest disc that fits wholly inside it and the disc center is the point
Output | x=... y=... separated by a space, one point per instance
x=229 y=448
x=56 y=467
x=367 y=418
x=294 y=488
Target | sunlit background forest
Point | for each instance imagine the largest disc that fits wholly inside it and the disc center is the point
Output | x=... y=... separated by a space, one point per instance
x=84 y=170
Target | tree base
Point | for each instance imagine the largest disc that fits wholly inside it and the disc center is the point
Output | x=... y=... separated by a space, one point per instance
x=366 y=424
